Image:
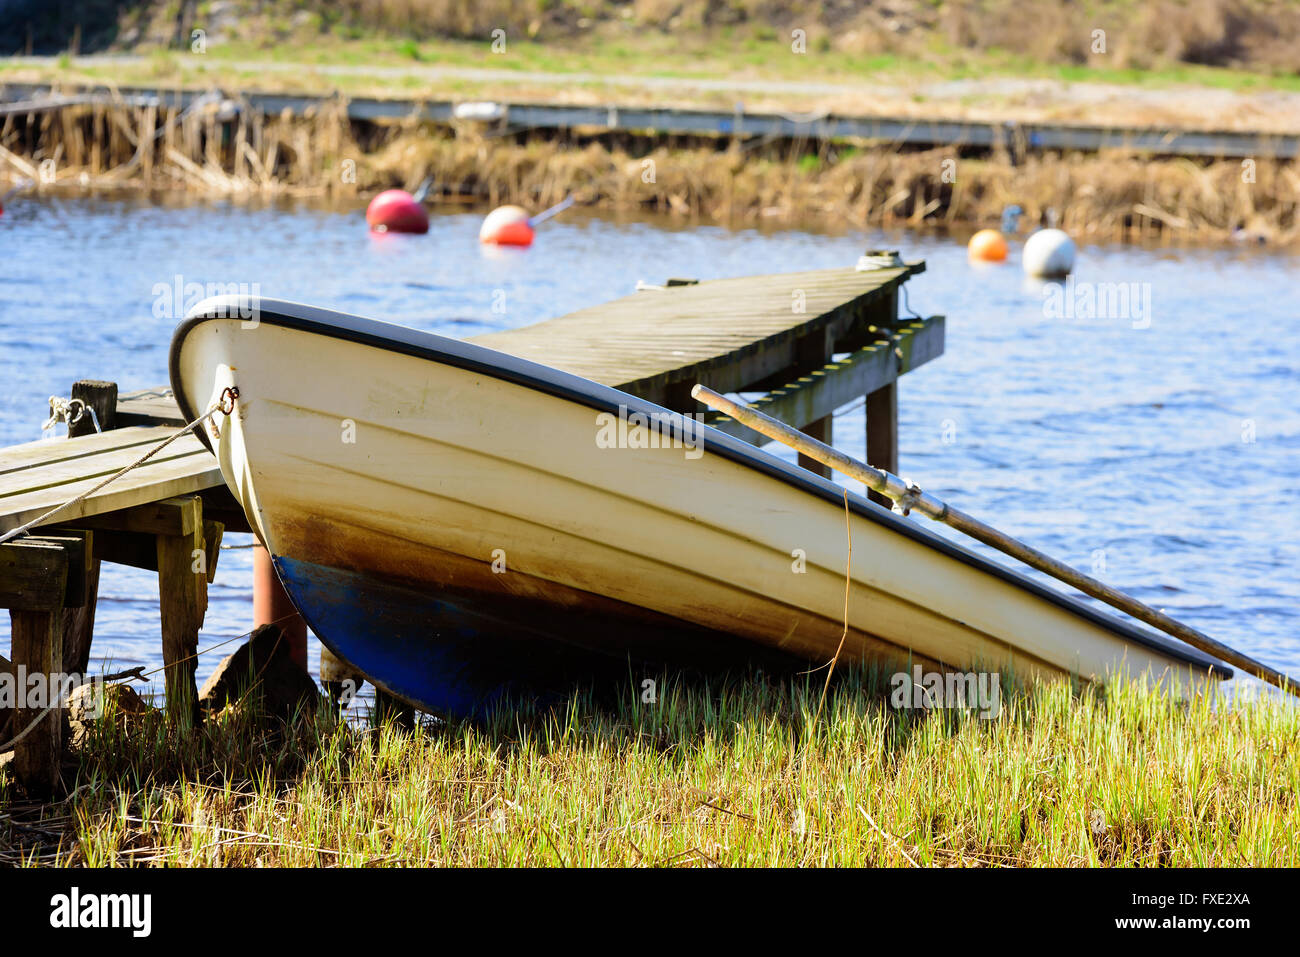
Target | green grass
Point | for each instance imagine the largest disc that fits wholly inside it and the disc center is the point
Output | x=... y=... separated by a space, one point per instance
x=735 y=775
x=644 y=54
x=702 y=57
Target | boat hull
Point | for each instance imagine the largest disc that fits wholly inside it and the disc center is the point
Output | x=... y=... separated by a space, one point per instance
x=463 y=525
x=465 y=654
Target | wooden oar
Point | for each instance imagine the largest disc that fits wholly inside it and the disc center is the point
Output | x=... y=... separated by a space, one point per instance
x=911 y=497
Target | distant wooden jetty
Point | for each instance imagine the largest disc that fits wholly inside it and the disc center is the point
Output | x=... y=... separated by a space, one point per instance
x=20 y=99
x=810 y=342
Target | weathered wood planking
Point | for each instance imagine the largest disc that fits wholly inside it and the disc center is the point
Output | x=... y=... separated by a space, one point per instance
x=731 y=333
x=37 y=476
x=839 y=382
x=148 y=407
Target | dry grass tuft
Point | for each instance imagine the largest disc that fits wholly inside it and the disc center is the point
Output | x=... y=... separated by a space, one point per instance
x=732 y=775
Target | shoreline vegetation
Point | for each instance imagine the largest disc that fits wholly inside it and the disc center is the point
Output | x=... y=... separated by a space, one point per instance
x=1251 y=41
x=1164 y=63
x=242 y=154
x=740 y=773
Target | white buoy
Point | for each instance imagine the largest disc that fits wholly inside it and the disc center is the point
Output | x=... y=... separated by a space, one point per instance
x=506 y=226
x=1048 y=254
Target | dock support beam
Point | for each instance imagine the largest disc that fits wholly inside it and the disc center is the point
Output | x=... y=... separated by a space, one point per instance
x=38 y=650
x=173 y=538
x=39 y=577
x=182 y=601
x=882 y=434
x=813 y=352
x=79 y=623
x=821 y=430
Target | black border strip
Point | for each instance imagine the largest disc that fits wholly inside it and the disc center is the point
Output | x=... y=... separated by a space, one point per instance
x=564 y=385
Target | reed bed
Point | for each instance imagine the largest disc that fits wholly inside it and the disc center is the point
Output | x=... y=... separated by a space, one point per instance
x=218 y=150
x=215 y=148
x=739 y=773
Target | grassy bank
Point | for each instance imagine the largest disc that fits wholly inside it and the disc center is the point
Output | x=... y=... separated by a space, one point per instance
x=735 y=775
x=1194 y=63
x=1257 y=34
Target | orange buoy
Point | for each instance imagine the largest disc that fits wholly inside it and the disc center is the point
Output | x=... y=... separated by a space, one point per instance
x=507 y=226
x=988 y=245
x=396 y=211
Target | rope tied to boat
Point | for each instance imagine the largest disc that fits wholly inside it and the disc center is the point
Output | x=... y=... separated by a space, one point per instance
x=225 y=405
x=70 y=411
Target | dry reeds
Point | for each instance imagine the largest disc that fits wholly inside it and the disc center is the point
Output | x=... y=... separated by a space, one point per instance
x=224 y=148
x=213 y=147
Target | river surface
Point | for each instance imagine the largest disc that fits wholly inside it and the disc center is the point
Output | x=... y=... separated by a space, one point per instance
x=1157 y=445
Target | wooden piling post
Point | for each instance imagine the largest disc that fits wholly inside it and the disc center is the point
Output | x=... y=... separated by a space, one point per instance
x=821 y=430
x=34 y=586
x=814 y=351
x=171 y=537
x=79 y=622
x=182 y=601
x=882 y=412
x=97 y=395
x=882 y=434
x=38 y=650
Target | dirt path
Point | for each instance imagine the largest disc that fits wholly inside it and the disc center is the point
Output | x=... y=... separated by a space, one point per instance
x=993 y=99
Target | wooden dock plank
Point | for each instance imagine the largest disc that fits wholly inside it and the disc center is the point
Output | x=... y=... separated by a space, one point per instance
x=47 y=452
x=816 y=395
x=29 y=487
x=731 y=332
x=148 y=407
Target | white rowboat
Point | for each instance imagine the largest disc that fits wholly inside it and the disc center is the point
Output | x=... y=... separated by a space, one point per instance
x=460 y=524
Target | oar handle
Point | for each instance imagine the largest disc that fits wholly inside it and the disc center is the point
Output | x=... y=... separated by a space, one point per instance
x=911 y=497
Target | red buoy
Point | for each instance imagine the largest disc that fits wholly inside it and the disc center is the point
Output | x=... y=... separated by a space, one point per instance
x=396 y=211
x=507 y=226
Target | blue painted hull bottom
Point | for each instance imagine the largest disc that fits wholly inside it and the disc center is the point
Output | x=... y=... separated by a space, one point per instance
x=459 y=653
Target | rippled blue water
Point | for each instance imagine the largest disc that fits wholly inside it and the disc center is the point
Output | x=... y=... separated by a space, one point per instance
x=1163 y=454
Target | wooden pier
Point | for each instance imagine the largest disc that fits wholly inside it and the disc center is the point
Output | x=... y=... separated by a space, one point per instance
x=810 y=342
